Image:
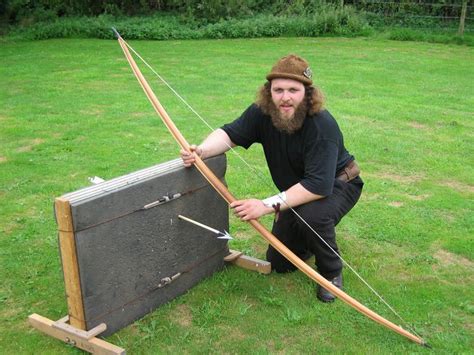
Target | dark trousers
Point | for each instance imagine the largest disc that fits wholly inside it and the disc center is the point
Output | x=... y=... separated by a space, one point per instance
x=322 y=215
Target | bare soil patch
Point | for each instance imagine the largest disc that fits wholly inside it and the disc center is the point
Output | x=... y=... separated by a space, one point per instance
x=449 y=217
x=183 y=315
x=387 y=175
x=360 y=118
x=92 y=111
x=241 y=235
x=418 y=197
x=458 y=186
x=447 y=258
x=369 y=196
x=396 y=204
x=30 y=146
x=418 y=125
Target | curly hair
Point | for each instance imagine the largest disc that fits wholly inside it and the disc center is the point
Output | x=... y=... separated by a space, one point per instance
x=314 y=98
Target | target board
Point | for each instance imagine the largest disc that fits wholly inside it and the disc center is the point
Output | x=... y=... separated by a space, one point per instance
x=125 y=252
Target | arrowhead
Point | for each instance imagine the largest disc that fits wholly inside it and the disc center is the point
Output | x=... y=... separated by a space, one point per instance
x=224 y=235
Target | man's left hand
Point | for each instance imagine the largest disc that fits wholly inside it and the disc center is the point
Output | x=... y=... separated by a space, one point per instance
x=250 y=209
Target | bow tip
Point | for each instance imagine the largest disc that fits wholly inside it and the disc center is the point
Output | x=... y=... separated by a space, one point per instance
x=117 y=35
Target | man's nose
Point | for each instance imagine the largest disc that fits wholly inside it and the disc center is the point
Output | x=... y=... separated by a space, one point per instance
x=286 y=95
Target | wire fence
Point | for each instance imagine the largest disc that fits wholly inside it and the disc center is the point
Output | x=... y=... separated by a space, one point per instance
x=440 y=15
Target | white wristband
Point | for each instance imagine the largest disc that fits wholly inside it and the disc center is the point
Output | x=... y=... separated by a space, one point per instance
x=275 y=200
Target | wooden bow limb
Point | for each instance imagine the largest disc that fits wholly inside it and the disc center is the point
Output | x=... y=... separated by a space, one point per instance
x=227 y=196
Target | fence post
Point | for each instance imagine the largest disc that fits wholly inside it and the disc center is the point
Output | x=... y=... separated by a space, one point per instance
x=462 y=18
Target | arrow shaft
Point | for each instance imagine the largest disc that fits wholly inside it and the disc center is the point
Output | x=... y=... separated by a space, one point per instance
x=199 y=224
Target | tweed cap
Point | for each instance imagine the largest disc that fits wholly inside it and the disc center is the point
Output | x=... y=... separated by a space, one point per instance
x=292 y=67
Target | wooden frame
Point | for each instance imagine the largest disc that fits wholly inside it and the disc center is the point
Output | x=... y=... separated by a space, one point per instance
x=67 y=247
x=71 y=333
x=76 y=337
x=71 y=328
x=75 y=329
x=239 y=259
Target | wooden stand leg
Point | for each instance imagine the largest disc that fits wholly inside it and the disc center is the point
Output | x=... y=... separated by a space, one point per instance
x=85 y=340
x=247 y=262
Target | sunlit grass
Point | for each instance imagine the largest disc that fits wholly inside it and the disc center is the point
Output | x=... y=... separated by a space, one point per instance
x=70 y=109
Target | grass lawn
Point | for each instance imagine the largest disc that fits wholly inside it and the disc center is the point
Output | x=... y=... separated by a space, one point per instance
x=71 y=109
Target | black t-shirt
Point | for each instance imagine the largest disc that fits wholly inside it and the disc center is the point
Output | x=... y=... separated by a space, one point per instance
x=311 y=156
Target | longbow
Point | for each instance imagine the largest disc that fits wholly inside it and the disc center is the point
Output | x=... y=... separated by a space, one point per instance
x=229 y=198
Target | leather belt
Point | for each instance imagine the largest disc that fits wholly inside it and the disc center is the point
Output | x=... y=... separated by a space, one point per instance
x=350 y=172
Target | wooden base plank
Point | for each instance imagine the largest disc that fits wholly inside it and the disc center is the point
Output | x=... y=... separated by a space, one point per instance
x=237 y=258
x=233 y=254
x=86 y=335
x=73 y=336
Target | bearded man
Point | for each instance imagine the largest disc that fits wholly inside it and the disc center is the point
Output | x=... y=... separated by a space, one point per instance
x=309 y=164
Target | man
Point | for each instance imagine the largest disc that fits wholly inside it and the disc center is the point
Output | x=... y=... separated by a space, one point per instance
x=308 y=162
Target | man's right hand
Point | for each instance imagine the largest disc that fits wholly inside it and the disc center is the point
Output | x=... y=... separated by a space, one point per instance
x=216 y=143
x=189 y=156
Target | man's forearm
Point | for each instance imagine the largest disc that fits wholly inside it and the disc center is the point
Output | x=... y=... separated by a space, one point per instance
x=298 y=195
x=216 y=143
x=293 y=197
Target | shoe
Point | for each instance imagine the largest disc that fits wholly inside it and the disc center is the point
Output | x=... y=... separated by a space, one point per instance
x=326 y=296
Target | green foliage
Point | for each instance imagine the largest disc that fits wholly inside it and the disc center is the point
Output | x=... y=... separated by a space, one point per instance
x=27 y=11
x=203 y=11
x=411 y=34
x=211 y=11
x=407 y=12
x=330 y=20
x=188 y=19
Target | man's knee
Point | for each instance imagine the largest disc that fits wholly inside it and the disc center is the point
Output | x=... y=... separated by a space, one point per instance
x=279 y=263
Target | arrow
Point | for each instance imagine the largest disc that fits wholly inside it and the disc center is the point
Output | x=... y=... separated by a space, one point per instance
x=221 y=235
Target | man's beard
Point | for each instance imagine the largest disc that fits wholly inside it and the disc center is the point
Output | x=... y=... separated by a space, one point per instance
x=289 y=125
